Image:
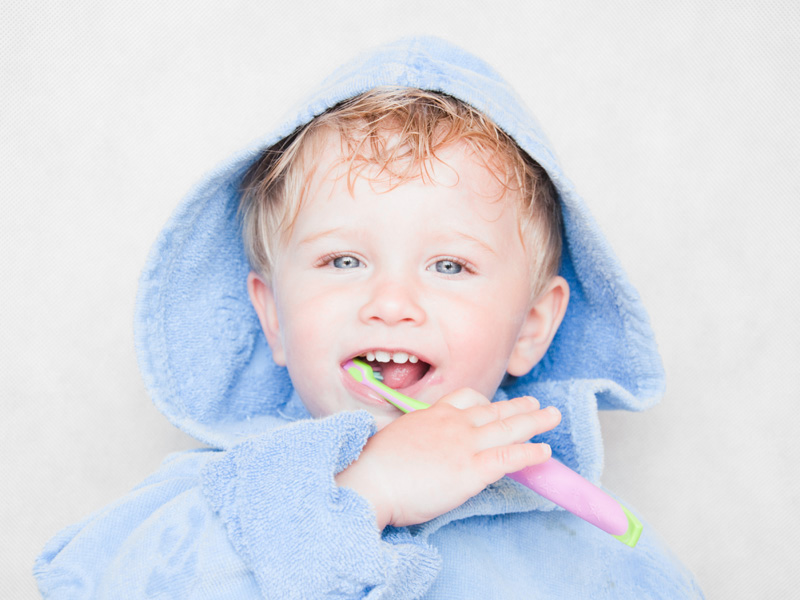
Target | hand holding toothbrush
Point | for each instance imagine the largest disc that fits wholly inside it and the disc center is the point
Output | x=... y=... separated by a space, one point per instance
x=430 y=461
x=550 y=478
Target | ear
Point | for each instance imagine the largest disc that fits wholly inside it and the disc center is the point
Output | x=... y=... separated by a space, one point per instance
x=263 y=299
x=539 y=327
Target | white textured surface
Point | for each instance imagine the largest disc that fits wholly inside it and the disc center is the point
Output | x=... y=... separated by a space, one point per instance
x=677 y=122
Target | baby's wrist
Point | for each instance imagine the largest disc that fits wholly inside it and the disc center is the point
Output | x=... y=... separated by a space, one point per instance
x=351 y=478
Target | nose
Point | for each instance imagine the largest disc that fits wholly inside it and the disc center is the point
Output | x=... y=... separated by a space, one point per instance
x=392 y=302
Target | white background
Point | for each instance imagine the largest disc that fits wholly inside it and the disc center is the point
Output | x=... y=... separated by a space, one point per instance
x=678 y=123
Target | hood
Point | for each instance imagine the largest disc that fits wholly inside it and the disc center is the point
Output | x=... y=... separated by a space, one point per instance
x=203 y=356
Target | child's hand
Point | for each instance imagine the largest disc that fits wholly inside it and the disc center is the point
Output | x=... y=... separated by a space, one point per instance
x=429 y=461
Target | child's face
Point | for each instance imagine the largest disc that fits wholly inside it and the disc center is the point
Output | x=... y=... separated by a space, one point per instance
x=437 y=271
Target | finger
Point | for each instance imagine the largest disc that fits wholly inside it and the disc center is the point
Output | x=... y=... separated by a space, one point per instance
x=494 y=463
x=464 y=398
x=496 y=411
x=518 y=428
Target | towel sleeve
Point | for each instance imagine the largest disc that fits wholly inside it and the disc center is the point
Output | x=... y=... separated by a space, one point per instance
x=262 y=519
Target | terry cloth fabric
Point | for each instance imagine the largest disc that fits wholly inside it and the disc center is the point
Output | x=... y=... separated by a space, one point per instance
x=259 y=515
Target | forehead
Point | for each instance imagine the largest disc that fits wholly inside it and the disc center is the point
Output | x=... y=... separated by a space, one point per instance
x=454 y=195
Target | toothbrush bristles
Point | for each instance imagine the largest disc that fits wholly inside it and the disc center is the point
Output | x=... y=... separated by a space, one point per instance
x=378 y=375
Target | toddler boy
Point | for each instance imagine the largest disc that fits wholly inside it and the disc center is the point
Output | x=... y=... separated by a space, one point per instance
x=412 y=215
x=410 y=228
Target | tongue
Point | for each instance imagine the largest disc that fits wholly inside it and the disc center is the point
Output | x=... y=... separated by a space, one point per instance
x=401 y=376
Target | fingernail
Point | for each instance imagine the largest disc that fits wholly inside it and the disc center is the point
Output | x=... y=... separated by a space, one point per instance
x=553 y=410
x=546 y=449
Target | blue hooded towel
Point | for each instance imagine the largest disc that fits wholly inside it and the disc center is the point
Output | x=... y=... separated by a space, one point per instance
x=258 y=514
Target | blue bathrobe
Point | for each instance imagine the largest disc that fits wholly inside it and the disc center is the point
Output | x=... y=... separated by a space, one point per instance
x=258 y=514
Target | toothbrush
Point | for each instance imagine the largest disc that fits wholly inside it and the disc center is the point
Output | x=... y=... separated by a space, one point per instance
x=551 y=479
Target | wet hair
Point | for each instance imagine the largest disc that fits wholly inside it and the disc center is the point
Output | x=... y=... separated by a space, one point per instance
x=396 y=133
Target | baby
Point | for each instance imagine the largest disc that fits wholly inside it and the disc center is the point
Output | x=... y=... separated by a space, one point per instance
x=412 y=215
x=405 y=228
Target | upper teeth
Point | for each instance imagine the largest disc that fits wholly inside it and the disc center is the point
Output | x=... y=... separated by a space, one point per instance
x=384 y=357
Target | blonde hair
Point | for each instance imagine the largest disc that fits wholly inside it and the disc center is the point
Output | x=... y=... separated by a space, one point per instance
x=399 y=131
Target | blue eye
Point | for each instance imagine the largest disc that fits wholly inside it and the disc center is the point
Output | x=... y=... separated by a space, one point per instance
x=346 y=262
x=448 y=267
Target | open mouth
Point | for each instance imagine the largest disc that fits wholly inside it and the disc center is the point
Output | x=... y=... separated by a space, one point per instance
x=397 y=369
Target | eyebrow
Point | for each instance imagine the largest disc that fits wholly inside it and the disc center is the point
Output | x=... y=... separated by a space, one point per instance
x=474 y=240
x=315 y=236
x=456 y=234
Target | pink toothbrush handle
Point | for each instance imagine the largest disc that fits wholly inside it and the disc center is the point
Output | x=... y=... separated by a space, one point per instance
x=565 y=487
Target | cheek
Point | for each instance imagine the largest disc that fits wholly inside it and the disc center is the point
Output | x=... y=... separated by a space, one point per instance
x=479 y=315
x=311 y=329
x=305 y=318
x=314 y=381
x=483 y=329
x=470 y=333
